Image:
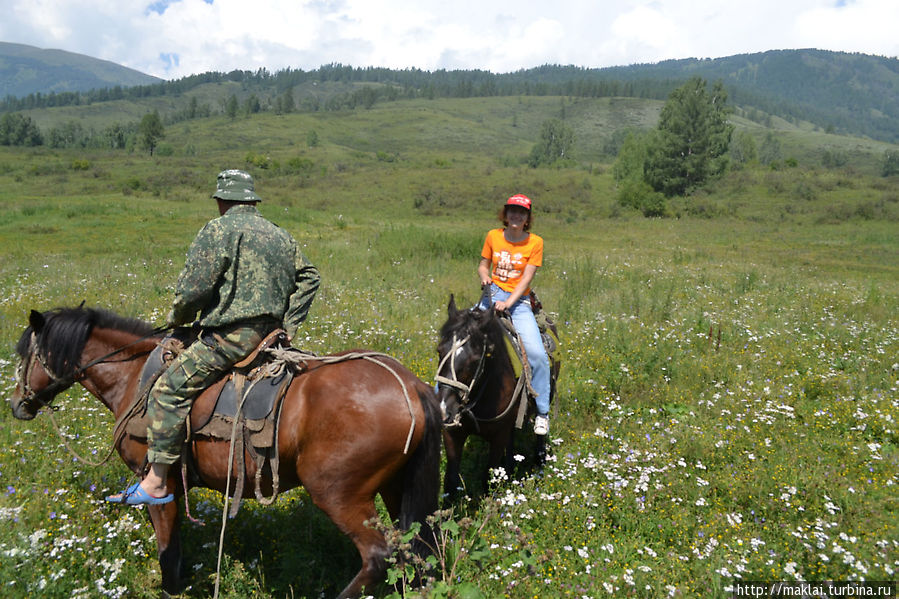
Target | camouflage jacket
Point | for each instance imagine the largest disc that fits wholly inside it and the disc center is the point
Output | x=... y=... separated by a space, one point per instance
x=242 y=267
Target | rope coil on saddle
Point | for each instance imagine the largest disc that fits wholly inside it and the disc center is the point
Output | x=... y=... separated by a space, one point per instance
x=295 y=357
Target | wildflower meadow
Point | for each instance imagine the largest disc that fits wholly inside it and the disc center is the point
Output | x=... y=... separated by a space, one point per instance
x=727 y=409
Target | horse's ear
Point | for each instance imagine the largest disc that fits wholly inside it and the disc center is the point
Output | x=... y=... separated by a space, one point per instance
x=451 y=308
x=36 y=320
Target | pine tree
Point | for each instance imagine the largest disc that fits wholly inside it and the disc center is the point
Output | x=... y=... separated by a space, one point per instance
x=693 y=138
x=150 y=130
x=232 y=106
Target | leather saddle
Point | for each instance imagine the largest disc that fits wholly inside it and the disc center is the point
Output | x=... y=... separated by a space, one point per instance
x=255 y=382
x=254 y=387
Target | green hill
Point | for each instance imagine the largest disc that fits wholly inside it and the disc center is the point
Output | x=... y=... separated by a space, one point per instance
x=500 y=129
x=28 y=70
x=803 y=97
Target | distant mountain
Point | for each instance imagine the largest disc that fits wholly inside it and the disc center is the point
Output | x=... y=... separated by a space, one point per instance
x=25 y=70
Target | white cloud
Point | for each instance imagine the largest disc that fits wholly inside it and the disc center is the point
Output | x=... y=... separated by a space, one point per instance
x=647 y=32
x=173 y=38
x=867 y=26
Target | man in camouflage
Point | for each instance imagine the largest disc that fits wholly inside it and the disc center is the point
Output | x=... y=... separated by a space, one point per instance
x=246 y=277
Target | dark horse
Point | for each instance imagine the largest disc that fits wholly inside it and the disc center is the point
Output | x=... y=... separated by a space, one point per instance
x=342 y=435
x=477 y=391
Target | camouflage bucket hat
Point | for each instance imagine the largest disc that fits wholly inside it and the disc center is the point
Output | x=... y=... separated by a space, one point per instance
x=235 y=186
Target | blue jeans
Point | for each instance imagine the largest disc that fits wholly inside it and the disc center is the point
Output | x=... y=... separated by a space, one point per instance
x=526 y=325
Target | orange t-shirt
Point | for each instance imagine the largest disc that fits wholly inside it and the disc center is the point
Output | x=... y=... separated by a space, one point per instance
x=507 y=260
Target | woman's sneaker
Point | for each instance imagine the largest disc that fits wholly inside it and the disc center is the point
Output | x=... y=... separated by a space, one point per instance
x=541 y=424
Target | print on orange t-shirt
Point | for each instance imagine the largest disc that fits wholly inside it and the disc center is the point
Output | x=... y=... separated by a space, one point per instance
x=507 y=260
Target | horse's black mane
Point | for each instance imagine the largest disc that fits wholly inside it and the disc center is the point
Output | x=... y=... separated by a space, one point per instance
x=61 y=340
x=474 y=322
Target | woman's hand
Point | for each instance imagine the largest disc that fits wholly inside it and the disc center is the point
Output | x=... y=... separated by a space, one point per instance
x=484 y=272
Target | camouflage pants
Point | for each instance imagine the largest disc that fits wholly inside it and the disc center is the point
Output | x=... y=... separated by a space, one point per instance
x=193 y=370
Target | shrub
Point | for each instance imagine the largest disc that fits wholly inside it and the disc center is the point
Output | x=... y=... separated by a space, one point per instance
x=258 y=160
x=298 y=164
x=890 y=163
x=834 y=158
x=805 y=191
x=641 y=196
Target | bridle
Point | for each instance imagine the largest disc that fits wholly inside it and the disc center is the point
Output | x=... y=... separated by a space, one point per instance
x=57 y=384
x=465 y=401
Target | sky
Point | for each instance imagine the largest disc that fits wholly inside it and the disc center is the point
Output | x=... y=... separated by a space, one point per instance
x=175 y=38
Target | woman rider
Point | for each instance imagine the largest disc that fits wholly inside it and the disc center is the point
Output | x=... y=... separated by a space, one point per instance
x=509 y=259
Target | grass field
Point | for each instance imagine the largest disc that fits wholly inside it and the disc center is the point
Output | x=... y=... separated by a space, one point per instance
x=728 y=404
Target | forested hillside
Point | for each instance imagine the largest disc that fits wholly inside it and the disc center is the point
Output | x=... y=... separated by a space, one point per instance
x=848 y=93
x=851 y=94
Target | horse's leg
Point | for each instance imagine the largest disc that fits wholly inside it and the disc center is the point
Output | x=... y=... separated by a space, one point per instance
x=350 y=512
x=499 y=448
x=168 y=544
x=508 y=459
x=540 y=451
x=453 y=441
x=345 y=491
x=392 y=495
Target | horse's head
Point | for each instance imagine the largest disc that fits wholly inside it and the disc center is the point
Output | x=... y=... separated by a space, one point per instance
x=463 y=350
x=37 y=382
x=61 y=345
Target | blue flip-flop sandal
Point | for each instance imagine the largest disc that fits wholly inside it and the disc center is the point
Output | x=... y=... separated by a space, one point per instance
x=135 y=495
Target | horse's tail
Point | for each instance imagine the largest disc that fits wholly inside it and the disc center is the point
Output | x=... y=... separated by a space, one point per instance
x=421 y=484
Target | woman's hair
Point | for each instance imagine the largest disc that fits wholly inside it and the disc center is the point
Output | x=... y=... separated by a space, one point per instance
x=527 y=223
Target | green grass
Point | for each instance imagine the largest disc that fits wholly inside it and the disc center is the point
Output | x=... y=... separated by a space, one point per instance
x=679 y=461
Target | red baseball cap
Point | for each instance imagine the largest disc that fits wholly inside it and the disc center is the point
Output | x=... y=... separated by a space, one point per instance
x=519 y=200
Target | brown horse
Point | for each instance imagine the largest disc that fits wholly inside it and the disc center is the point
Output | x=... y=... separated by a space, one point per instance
x=342 y=435
x=477 y=383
